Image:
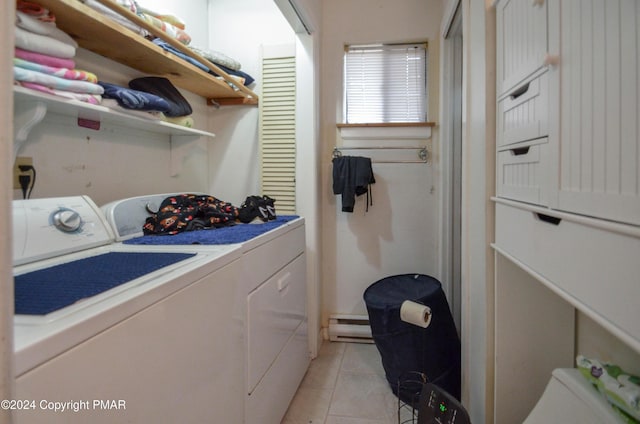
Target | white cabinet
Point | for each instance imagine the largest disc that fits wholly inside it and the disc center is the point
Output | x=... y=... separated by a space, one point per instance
x=595 y=268
x=598 y=135
x=567 y=185
x=274 y=277
x=568 y=70
x=521 y=40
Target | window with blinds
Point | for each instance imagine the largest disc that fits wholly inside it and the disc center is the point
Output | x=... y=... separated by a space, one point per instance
x=278 y=131
x=385 y=83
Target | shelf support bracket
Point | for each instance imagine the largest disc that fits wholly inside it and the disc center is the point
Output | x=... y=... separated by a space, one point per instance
x=26 y=116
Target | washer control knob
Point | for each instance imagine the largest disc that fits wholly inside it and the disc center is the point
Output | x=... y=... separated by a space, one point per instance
x=67 y=220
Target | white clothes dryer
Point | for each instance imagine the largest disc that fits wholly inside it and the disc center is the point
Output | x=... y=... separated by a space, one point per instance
x=272 y=289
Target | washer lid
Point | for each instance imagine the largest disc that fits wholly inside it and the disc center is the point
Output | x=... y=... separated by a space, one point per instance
x=571 y=399
x=127 y=216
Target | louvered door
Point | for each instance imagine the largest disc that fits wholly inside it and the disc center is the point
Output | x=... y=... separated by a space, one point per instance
x=278 y=130
x=598 y=43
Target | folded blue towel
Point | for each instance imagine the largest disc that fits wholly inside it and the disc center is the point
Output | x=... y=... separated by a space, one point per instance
x=47 y=290
x=134 y=99
x=168 y=47
x=224 y=235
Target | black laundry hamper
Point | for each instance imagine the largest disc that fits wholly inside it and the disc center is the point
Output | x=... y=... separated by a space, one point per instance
x=406 y=348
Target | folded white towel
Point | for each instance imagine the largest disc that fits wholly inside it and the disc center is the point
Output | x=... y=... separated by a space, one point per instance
x=115 y=16
x=43 y=44
x=36 y=26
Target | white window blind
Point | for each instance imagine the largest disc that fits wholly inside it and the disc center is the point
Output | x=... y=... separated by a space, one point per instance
x=386 y=83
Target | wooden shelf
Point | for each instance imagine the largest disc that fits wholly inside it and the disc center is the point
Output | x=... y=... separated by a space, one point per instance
x=101 y=35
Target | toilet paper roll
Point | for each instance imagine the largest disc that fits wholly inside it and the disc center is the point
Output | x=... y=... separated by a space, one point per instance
x=415 y=313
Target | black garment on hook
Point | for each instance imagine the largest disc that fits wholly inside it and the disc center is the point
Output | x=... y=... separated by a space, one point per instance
x=352 y=176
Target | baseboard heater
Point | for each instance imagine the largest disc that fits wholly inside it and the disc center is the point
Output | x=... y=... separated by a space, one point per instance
x=349 y=328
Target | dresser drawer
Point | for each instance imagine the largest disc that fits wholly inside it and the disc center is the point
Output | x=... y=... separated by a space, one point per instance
x=521 y=37
x=523 y=114
x=262 y=261
x=596 y=269
x=274 y=311
x=523 y=172
x=268 y=402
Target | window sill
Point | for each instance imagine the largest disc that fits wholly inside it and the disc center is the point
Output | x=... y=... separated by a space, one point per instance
x=388 y=124
x=395 y=130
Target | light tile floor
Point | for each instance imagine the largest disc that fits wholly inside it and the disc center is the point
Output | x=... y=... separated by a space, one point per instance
x=345 y=384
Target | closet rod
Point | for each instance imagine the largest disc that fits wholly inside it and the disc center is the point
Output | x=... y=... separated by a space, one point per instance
x=423 y=154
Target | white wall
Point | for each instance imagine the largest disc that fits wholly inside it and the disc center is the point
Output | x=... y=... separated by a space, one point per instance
x=399 y=233
x=238 y=29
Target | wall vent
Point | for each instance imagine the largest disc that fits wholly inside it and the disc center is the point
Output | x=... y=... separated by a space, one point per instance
x=350 y=328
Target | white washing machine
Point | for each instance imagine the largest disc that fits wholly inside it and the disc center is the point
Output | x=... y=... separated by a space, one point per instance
x=97 y=319
x=570 y=399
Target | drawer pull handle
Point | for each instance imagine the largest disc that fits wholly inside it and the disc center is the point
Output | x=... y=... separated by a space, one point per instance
x=537 y=3
x=519 y=151
x=520 y=91
x=284 y=281
x=548 y=219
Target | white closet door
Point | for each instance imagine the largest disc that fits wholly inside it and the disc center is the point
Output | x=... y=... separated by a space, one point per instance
x=278 y=126
x=598 y=42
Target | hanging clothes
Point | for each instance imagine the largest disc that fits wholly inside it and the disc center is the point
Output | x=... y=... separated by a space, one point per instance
x=352 y=176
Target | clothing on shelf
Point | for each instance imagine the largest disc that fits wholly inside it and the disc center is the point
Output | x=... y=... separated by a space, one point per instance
x=134 y=99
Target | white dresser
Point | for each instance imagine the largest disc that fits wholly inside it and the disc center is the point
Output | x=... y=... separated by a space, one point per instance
x=567 y=185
